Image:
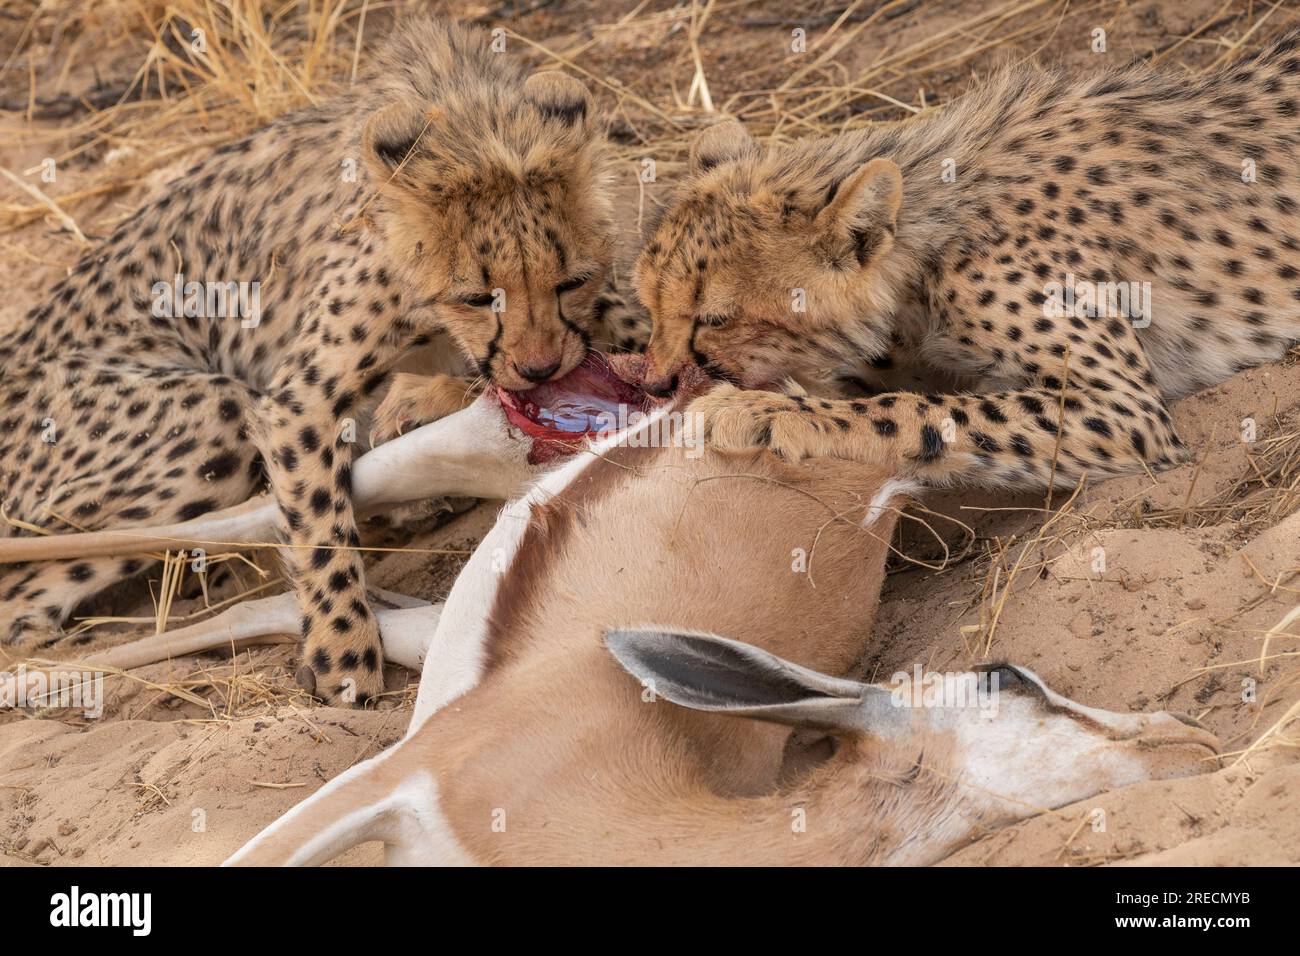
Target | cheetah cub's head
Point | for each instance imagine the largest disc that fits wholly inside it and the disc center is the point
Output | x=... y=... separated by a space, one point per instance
x=495 y=202
x=757 y=270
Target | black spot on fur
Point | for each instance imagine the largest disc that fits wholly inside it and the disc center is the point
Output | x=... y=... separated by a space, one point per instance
x=931 y=443
x=196 y=508
x=219 y=468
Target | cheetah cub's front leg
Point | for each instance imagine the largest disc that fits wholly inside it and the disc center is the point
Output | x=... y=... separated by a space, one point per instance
x=415 y=400
x=307 y=435
x=1025 y=438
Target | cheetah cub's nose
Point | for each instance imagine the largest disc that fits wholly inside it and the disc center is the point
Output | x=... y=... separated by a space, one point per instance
x=661 y=387
x=538 y=373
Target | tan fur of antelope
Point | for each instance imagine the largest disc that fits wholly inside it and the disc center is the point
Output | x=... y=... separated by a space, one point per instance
x=552 y=754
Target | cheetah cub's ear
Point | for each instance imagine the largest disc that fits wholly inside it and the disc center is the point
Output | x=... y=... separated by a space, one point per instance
x=861 y=212
x=558 y=96
x=391 y=140
x=721 y=143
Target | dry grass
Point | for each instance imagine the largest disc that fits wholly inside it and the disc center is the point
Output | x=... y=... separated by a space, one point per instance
x=1266 y=492
x=189 y=74
x=193 y=74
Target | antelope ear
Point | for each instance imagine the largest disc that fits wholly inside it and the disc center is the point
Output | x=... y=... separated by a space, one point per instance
x=392 y=139
x=559 y=97
x=706 y=672
x=721 y=143
x=862 y=211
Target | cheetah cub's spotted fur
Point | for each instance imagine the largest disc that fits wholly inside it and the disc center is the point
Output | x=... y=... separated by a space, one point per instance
x=1129 y=177
x=470 y=177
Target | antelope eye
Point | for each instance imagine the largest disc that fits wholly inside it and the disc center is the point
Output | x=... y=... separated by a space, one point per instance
x=714 y=321
x=1009 y=676
x=478 y=301
x=570 y=284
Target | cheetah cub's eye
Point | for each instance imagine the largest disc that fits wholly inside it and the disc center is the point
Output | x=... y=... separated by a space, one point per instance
x=569 y=285
x=478 y=301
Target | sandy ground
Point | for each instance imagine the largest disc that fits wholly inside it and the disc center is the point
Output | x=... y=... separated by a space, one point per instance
x=194 y=756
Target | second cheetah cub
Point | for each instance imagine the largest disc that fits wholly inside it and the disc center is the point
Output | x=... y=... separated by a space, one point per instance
x=1063 y=254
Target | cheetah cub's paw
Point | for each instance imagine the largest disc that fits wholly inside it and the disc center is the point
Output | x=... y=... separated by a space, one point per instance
x=343 y=670
x=795 y=427
x=354 y=690
x=737 y=420
x=415 y=400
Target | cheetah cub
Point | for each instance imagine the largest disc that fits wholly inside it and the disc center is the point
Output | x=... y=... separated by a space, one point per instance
x=451 y=192
x=1062 y=256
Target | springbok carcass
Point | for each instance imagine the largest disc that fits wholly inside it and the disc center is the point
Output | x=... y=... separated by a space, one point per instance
x=580 y=706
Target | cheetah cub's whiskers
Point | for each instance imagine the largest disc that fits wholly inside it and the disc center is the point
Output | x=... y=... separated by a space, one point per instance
x=1044 y=263
x=530 y=744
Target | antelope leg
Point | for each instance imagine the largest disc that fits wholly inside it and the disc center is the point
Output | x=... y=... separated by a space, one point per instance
x=473 y=453
x=405 y=630
x=271 y=620
x=251 y=521
x=407 y=633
